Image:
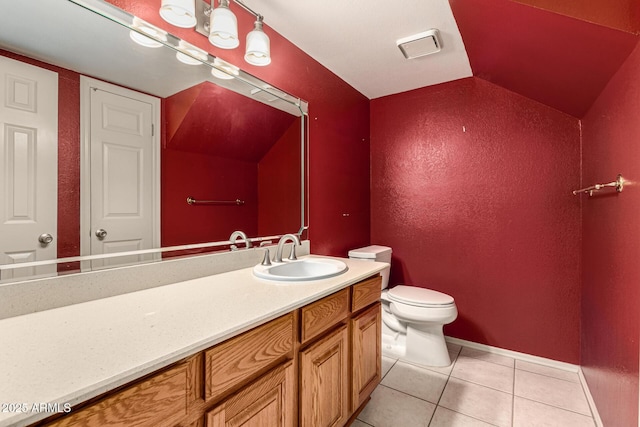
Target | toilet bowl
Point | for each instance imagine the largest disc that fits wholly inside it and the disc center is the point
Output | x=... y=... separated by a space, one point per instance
x=412 y=317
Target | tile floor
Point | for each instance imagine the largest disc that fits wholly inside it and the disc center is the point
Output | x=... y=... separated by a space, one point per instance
x=477 y=389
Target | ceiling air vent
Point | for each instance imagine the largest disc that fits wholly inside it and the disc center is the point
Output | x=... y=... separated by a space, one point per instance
x=420 y=44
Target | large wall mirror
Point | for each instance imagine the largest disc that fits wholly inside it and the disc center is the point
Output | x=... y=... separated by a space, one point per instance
x=109 y=146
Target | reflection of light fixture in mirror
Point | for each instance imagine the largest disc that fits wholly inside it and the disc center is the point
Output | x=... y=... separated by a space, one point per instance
x=223 y=26
x=223 y=70
x=181 y=13
x=190 y=55
x=258 y=46
x=147 y=34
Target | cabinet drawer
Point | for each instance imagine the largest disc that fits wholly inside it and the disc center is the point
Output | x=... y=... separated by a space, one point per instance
x=161 y=400
x=322 y=315
x=366 y=292
x=269 y=401
x=237 y=359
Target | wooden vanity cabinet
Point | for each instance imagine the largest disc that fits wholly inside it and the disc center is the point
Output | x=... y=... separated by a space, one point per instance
x=340 y=356
x=314 y=367
x=267 y=401
x=238 y=359
x=366 y=337
x=160 y=400
x=324 y=381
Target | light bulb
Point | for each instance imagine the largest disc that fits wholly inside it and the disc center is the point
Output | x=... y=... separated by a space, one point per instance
x=181 y=13
x=258 y=46
x=224 y=27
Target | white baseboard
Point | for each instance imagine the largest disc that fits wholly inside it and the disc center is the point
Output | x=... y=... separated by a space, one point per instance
x=516 y=355
x=592 y=404
x=539 y=360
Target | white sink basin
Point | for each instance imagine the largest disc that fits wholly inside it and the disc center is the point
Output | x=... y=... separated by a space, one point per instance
x=301 y=270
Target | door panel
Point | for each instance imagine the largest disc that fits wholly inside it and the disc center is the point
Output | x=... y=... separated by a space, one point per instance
x=29 y=166
x=123 y=167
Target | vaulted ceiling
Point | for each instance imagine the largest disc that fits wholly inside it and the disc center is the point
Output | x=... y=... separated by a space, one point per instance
x=559 y=53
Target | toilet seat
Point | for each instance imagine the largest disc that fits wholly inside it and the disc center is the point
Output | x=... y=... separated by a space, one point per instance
x=419 y=297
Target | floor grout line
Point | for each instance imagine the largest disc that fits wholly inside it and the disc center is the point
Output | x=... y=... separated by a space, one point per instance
x=450 y=375
x=550 y=376
x=513 y=396
x=556 y=407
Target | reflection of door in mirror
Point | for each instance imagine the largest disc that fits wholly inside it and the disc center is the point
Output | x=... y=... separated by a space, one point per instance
x=122 y=162
x=29 y=159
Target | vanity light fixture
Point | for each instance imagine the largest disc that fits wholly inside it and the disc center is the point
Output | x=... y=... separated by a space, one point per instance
x=223 y=27
x=258 y=45
x=220 y=25
x=181 y=13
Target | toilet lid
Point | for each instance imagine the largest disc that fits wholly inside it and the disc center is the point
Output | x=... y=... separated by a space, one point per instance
x=413 y=295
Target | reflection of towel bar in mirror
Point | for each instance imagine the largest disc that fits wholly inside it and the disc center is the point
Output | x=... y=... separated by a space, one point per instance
x=192 y=201
x=618 y=184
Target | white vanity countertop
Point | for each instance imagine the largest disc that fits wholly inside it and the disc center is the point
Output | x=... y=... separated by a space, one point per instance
x=70 y=354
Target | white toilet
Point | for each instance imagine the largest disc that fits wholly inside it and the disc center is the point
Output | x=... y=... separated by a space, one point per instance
x=412 y=317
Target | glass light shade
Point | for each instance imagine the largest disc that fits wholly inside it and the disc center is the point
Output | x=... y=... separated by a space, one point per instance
x=258 y=47
x=190 y=55
x=181 y=13
x=150 y=37
x=224 y=28
x=223 y=70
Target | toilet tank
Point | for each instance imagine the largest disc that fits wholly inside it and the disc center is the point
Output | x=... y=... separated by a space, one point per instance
x=375 y=253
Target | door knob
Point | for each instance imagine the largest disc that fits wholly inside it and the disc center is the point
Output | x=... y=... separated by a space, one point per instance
x=45 y=239
x=101 y=233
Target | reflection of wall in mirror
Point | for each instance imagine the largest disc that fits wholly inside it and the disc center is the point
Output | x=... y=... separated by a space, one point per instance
x=222 y=146
x=279 y=185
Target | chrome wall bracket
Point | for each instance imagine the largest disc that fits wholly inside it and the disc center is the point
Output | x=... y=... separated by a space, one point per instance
x=618 y=184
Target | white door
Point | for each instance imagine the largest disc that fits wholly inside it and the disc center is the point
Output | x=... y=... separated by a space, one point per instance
x=123 y=164
x=28 y=166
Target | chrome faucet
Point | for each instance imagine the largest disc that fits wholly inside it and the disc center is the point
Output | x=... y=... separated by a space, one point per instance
x=284 y=239
x=235 y=236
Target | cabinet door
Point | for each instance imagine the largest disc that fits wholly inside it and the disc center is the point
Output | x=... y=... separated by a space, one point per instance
x=269 y=401
x=161 y=400
x=367 y=357
x=324 y=397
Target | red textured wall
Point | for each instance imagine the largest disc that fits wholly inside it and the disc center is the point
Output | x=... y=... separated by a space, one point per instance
x=621 y=14
x=338 y=131
x=471 y=187
x=611 y=249
x=68 y=237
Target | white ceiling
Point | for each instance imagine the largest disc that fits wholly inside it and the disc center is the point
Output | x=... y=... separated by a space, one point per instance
x=356 y=40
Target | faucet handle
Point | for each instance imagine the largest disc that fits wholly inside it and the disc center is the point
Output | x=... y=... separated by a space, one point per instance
x=266 y=260
x=292 y=255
